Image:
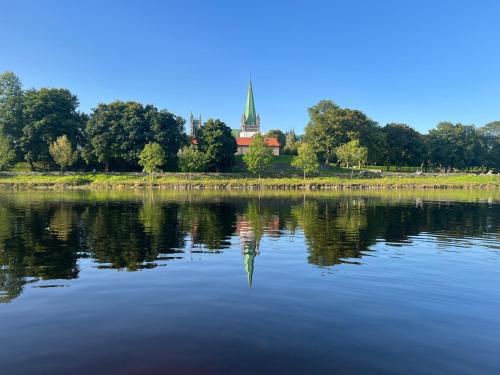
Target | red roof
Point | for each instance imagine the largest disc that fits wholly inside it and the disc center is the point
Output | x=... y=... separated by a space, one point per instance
x=271 y=142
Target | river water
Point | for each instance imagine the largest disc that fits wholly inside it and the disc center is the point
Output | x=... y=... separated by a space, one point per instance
x=188 y=283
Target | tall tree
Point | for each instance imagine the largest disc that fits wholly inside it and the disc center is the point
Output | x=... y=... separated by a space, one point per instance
x=306 y=160
x=11 y=106
x=218 y=144
x=330 y=126
x=167 y=130
x=117 y=133
x=491 y=136
x=259 y=156
x=48 y=113
x=455 y=146
x=405 y=146
x=7 y=153
x=62 y=152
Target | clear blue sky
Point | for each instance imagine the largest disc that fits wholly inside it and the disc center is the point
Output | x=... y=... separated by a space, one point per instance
x=418 y=62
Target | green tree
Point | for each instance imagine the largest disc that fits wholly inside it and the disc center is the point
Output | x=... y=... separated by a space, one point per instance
x=62 y=152
x=48 y=114
x=11 y=106
x=259 y=156
x=455 y=146
x=291 y=143
x=7 y=153
x=152 y=157
x=491 y=135
x=405 y=146
x=279 y=135
x=167 y=130
x=117 y=133
x=191 y=160
x=351 y=153
x=306 y=160
x=218 y=144
x=330 y=126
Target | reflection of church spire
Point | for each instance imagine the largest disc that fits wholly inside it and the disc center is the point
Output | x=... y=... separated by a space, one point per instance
x=249 y=264
x=249 y=247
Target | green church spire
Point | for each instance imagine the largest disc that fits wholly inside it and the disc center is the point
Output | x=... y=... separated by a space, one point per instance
x=250 y=114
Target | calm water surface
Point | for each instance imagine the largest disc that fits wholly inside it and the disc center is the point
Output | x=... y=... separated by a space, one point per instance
x=103 y=282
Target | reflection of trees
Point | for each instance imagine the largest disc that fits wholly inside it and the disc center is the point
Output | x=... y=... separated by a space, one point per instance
x=209 y=224
x=30 y=249
x=130 y=236
x=333 y=230
x=45 y=239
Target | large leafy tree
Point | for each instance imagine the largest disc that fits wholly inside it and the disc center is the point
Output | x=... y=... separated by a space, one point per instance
x=167 y=130
x=455 y=146
x=405 y=146
x=330 y=126
x=218 y=144
x=117 y=133
x=259 y=156
x=11 y=106
x=491 y=137
x=48 y=113
x=7 y=153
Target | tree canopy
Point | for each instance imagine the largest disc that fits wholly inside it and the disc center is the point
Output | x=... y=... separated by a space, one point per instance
x=218 y=144
x=352 y=153
x=330 y=126
x=62 y=152
x=192 y=160
x=306 y=160
x=152 y=158
x=405 y=146
x=259 y=156
x=117 y=133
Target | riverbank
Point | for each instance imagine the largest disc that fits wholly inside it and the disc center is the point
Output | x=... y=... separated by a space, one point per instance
x=240 y=182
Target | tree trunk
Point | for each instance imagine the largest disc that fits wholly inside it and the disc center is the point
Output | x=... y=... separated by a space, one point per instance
x=304 y=175
x=106 y=167
x=61 y=170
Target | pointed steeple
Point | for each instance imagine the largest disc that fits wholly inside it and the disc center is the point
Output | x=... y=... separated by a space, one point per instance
x=250 y=114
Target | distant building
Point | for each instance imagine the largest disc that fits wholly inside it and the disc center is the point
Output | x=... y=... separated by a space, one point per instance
x=244 y=144
x=250 y=126
x=195 y=124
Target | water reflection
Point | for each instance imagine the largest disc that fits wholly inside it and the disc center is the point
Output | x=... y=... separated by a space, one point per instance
x=45 y=239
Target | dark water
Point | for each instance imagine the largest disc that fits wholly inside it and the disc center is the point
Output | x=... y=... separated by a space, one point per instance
x=203 y=283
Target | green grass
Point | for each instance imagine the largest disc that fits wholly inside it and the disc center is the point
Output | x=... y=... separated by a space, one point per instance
x=181 y=181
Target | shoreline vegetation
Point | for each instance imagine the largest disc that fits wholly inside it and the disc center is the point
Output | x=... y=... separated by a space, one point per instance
x=180 y=181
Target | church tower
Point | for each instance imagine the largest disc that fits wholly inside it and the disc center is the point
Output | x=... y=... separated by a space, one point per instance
x=250 y=121
x=195 y=124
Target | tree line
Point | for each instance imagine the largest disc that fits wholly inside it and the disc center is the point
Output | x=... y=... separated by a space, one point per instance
x=447 y=147
x=45 y=126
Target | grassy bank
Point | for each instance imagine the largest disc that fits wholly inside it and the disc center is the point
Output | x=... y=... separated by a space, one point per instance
x=179 y=181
